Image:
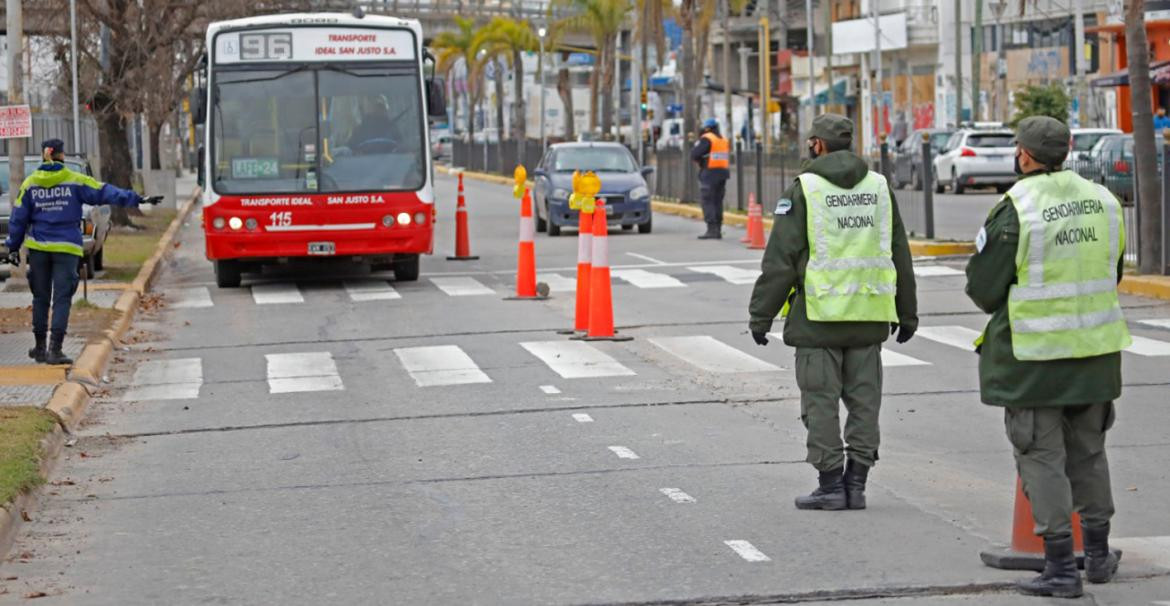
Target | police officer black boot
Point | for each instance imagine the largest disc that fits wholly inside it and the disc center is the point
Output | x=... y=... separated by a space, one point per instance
x=55 y=355
x=1100 y=562
x=38 y=351
x=1060 y=578
x=829 y=496
x=855 y=477
x=713 y=233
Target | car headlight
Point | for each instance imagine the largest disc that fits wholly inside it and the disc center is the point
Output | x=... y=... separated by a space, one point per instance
x=560 y=194
x=639 y=192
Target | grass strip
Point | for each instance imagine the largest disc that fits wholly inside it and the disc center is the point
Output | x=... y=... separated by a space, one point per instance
x=126 y=251
x=21 y=430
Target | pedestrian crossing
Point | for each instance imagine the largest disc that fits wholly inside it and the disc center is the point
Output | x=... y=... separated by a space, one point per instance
x=451 y=365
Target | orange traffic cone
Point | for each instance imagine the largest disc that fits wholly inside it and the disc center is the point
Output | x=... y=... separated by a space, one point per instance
x=1027 y=550
x=755 y=229
x=462 y=244
x=600 y=293
x=747 y=234
x=584 y=269
x=526 y=259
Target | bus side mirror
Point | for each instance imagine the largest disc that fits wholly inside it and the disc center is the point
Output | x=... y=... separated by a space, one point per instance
x=436 y=98
x=199 y=105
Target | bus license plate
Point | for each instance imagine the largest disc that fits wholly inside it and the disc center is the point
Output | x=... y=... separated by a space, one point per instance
x=321 y=248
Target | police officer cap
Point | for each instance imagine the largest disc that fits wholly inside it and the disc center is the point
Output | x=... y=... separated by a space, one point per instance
x=834 y=129
x=1045 y=138
x=56 y=146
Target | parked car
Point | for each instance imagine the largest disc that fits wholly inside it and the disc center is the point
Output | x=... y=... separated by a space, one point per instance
x=441 y=147
x=976 y=157
x=95 y=222
x=1084 y=139
x=491 y=134
x=623 y=186
x=908 y=156
x=1111 y=163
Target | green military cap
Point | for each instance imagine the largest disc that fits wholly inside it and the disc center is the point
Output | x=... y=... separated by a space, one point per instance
x=834 y=129
x=1045 y=138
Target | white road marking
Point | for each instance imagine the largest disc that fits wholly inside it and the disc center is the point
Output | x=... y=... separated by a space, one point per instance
x=558 y=283
x=550 y=389
x=1156 y=323
x=933 y=271
x=440 y=365
x=370 y=290
x=1150 y=550
x=646 y=279
x=747 y=551
x=711 y=354
x=1148 y=347
x=189 y=298
x=576 y=359
x=307 y=371
x=676 y=495
x=624 y=453
x=581 y=417
x=178 y=379
x=893 y=358
x=955 y=336
x=273 y=294
x=735 y=275
x=461 y=286
x=646 y=258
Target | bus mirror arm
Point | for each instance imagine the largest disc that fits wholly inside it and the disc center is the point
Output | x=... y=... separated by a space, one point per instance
x=199 y=105
x=436 y=98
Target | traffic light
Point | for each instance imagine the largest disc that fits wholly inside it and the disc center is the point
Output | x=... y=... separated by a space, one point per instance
x=645 y=105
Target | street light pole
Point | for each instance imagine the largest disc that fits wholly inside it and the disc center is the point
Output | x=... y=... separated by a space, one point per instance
x=73 y=68
x=540 y=68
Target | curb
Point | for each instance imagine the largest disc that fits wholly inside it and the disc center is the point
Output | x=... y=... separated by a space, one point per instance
x=11 y=514
x=1157 y=287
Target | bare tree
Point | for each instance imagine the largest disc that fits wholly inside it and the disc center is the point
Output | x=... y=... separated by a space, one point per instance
x=565 y=90
x=1149 y=206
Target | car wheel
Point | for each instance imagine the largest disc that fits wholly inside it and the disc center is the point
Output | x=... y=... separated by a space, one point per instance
x=1003 y=189
x=99 y=262
x=541 y=223
x=554 y=230
x=915 y=179
x=406 y=268
x=957 y=184
x=644 y=228
x=227 y=274
x=939 y=187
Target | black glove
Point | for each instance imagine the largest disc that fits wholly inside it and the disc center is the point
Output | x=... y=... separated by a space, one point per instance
x=761 y=338
x=13 y=257
x=152 y=200
x=904 y=332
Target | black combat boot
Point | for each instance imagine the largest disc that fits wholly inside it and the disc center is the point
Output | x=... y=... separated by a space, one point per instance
x=1060 y=578
x=38 y=351
x=855 y=476
x=830 y=495
x=1100 y=561
x=713 y=233
x=56 y=356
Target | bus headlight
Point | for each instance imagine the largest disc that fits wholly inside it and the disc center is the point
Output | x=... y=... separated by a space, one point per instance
x=404 y=218
x=251 y=224
x=388 y=221
x=235 y=223
x=217 y=223
x=420 y=218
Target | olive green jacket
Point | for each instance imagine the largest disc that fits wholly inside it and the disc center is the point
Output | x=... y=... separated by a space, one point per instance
x=1004 y=380
x=787 y=255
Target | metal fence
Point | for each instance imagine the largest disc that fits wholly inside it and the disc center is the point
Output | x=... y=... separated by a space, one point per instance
x=767 y=174
x=499 y=158
x=53 y=126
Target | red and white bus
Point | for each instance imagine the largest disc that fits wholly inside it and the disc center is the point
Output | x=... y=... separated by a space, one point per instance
x=315 y=142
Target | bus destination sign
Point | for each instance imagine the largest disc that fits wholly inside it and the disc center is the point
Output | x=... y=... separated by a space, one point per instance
x=304 y=44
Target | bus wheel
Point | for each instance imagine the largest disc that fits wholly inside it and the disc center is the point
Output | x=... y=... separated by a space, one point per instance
x=406 y=268
x=227 y=274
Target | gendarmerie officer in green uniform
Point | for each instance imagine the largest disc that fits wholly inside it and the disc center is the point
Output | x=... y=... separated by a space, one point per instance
x=838 y=255
x=1048 y=262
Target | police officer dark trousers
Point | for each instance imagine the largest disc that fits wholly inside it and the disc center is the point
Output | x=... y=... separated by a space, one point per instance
x=713 y=155
x=839 y=261
x=1048 y=262
x=46 y=217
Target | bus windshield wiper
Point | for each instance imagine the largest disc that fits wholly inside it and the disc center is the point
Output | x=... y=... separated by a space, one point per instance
x=355 y=74
x=265 y=78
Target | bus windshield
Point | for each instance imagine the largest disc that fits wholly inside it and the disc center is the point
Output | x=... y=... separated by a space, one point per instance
x=317 y=130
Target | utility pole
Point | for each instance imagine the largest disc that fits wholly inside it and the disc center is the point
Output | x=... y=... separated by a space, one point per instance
x=765 y=81
x=730 y=133
x=831 y=92
x=617 y=86
x=73 y=69
x=958 y=62
x=879 y=99
x=744 y=51
x=540 y=69
x=1001 y=101
x=1079 y=58
x=976 y=59
x=16 y=147
x=812 y=70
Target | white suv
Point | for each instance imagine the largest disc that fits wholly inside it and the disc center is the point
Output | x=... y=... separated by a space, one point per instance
x=976 y=157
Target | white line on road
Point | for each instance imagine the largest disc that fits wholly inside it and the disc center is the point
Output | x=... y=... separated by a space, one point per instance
x=1150 y=550
x=955 y=336
x=273 y=294
x=581 y=417
x=189 y=298
x=576 y=359
x=893 y=358
x=166 y=380
x=711 y=354
x=747 y=551
x=688 y=264
x=934 y=271
x=646 y=279
x=370 y=290
x=676 y=495
x=624 y=453
x=558 y=283
x=734 y=275
x=440 y=365
x=1156 y=323
x=1148 y=347
x=306 y=371
x=550 y=389
x=646 y=258
x=462 y=286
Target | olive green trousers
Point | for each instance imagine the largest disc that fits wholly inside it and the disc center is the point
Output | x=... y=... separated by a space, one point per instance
x=1060 y=455
x=826 y=377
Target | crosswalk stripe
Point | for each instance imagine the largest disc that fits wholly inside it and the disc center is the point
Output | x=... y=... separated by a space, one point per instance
x=581 y=417
x=934 y=271
x=955 y=336
x=370 y=290
x=677 y=495
x=646 y=279
x=558 y=283
x=893 y=358
x=1143 y=346
x=178 y=379
x=624 y=453
x=307 y=371
x=189 y=298
x=272 y=294
x=440 y=365
x=461 y=286
x=1159 y=323
x=735 y=275
x=747 y=551
x=576 y=359
x=711 y=354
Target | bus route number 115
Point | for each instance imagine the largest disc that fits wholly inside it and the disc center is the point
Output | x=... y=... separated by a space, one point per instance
x=280 y=219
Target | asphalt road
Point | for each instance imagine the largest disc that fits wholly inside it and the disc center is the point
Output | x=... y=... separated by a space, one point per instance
x=956 y=217
x=332 y=437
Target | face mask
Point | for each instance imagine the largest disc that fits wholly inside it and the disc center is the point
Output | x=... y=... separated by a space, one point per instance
x=1016 y=165
x=812 y=152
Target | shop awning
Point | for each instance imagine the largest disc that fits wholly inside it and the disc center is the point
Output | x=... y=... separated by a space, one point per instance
x=1159 y=74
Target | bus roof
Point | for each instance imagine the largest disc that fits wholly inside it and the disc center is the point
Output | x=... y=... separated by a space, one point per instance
x=317 y=19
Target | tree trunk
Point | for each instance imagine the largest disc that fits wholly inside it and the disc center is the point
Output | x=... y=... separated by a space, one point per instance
x=154 y=131
x=594 y=82
x=1148 y=202
x=606 y=87
x=519 y=119
x=565 y=90
x=690 y=81
x=117 y=167
x=500 y=112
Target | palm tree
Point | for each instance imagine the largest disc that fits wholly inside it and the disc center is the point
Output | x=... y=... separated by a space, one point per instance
x=602 y=20
x=506 y=38
x=453 y=47
x=695 y=18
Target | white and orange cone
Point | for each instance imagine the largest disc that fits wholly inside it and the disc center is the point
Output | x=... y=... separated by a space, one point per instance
x=462 y=239
x=755 y=227
x=600 y=294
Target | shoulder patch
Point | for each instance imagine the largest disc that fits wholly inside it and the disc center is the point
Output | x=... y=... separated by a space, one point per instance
x=981 y=239
x=783 y=206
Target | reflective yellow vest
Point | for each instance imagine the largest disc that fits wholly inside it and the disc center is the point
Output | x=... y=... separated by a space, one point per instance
x=850 y=275
x=1064 y=303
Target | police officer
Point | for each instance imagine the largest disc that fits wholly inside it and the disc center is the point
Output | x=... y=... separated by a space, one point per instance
x=1048 y=262
x=713 y=155
x=838 y=256
x=46 y=217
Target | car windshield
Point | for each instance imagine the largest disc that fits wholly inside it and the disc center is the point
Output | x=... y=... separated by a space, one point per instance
x=938 y=140
x=1084 y=142
x=30 y=166
x=597 y=159
x=317 y=130
x=991 y=140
